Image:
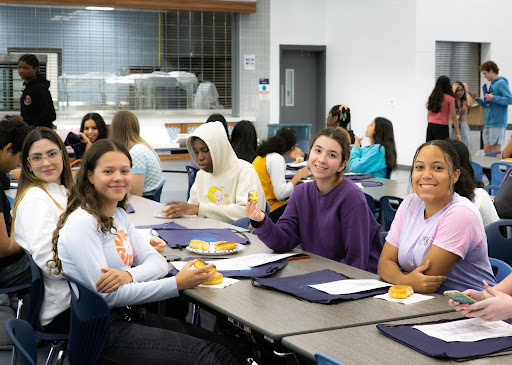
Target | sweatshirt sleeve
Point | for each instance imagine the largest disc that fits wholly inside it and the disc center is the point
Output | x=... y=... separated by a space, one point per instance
x=502 y=95
x=368 y=159
x=276 y=168
x=86 y=264
x=46 y=111
x=283 y=236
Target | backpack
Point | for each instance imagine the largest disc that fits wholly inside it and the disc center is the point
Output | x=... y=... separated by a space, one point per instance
x=6 y=312
x=503 y=198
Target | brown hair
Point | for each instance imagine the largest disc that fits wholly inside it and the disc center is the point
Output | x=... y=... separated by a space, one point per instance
x=490 y=66
x=84 y=195
x=339 y=136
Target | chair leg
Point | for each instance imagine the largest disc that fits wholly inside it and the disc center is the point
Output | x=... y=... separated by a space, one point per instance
x=196 y=315
x=57 y=353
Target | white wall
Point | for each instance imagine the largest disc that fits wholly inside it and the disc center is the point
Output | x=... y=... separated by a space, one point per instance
x=381 y=53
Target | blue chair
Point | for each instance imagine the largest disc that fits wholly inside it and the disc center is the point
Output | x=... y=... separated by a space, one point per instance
x=59 y=340
x=499 y=241
x=498 y=171
x=371 y=203
x=478 y=170
x=322 y=359
x=492 y=154
x=191 y=172
x=157 y=193
x=24 y=340
x=383 y=235
x=388 y=207
x=89 y=326
x=491 y=189
x=388 y=173
x=500 y=269
x=11 y=199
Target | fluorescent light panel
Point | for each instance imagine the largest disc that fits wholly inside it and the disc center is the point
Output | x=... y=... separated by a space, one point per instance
x=104 y=8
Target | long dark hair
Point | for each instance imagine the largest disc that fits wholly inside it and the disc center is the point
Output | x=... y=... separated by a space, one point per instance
x=84 y=195
x=465 y=185
x=244 y=140
x=284 y=140
x=465 y=97
x=100 y=124
x=384 y=135
x=435 y=100
x=465 y=161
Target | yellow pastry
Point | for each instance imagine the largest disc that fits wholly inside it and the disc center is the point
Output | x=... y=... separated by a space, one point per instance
x=225 y=245
x=400 y=291
x=253 y=196
x=217 y=277
x=199 y=245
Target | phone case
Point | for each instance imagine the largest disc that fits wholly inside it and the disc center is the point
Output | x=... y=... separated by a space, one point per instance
x=459 y=297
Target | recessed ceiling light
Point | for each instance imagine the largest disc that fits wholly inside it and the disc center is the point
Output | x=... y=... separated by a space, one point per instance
x=99 y=8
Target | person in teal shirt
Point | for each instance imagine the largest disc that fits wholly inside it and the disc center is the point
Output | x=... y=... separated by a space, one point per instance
x=380 y=156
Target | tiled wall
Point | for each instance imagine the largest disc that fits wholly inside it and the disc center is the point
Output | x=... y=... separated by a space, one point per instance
x=255 y=40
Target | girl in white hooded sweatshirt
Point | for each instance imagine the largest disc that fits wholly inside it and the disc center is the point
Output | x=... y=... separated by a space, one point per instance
x=224 y=181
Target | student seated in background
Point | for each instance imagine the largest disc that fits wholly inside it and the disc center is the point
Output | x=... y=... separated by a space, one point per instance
x=437 y=240
x=329 y=216
x=339 y=117
x=41 y=198
x=96 y=243
x=380 y=156
x=244 y=141
x=213 y=118
x=14 y=265
x=224 y=181
x=92 y=129
x=147 y=170
x=481 y=199
x=271 y=167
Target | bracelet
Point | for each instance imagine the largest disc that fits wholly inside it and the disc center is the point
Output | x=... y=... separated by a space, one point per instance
x=483 y=294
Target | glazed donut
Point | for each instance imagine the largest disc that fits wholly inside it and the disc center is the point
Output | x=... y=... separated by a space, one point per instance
x=199 y=245
x=225 y=245
x=216 y=279
x=400 y=291
x=298 y=160
x=201 y=263
x=253 y=196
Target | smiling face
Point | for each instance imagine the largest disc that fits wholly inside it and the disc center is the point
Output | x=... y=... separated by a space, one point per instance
x=45 y=161
x=112 y=177
x=26 y=71
x=203 y=156
x=433 y=178
x=325 y=159
x=91 y=130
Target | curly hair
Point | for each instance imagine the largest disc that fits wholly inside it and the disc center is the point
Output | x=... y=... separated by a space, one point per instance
x=490 y=66
x=84 y=195
x=435 y=100
x=465 y=185
x=284 y=140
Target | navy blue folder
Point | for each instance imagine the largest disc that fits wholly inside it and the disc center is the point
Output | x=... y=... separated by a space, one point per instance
x=299 y=286
x=435 y=347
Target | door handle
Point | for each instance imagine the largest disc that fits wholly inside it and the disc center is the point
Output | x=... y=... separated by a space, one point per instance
x=282 y=95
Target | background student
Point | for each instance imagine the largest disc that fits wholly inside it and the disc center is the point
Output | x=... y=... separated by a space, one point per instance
x=92 y=129
x=329 y=216
x=95 y=242
x=221 y=186
x=380 y=156
x=496 y=107
x=244 y=140
x=437 y=240
x=271 y=168
x=441 y=109
x=36 y=104
x=463 y=102
x=146 y=170
x=41 y=198
x=14 y=265
x=481 y=198
x=339 y=117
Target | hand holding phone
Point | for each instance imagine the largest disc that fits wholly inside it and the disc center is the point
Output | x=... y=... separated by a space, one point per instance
x=459 y=297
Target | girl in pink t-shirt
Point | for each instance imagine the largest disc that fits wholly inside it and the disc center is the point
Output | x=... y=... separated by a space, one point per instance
x=437 y=240
x=441 y=109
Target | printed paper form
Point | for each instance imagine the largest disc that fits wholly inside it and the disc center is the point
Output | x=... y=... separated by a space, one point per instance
x=467 y=330
x=221 y=265
x=241 y=263
x=349 y=286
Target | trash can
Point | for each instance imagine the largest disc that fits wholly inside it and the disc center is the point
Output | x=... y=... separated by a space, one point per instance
x=303 y=133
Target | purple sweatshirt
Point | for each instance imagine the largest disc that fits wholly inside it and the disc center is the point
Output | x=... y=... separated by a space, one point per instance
x=337 y=225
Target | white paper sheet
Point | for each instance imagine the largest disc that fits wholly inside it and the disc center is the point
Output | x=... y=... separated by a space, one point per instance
x=359 y=185
x=258 y=259
x=467 y=330
x=415 y=298
x=221 y=265
x=349 y=286
x=225 y=282
x=298 y=164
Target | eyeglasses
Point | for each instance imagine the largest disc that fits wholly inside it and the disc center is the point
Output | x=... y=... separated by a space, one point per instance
x=37 y=159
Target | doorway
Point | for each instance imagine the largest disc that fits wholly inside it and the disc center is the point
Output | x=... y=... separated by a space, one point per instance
x=302 y=86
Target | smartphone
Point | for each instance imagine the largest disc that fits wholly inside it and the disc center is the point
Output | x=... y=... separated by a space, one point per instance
x=459 y=297
x=170 y=258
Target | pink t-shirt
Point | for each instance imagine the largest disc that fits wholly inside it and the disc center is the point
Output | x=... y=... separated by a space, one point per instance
x=456 y=228
x=443 y=117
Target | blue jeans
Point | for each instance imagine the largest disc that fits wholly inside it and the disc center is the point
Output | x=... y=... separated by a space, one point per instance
x=152 y=339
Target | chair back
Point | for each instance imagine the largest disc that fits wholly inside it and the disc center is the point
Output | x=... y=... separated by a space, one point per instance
x=267 y=208
x=492 y=154
x=322 y=359
x=500 y=269
x=498 y=171
x=388 y=173
x=24 y=340
x=371 y=203
x=388 y=207
x=478 y=170
x=90 y=324
x=191 y=172
x=499 y=240
x=383 y=235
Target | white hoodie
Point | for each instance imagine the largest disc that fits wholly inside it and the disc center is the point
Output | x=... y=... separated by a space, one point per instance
x=222 y=194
